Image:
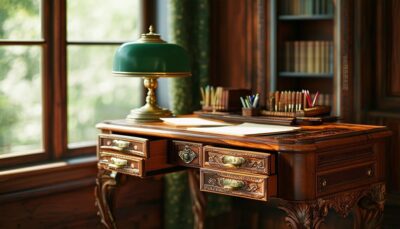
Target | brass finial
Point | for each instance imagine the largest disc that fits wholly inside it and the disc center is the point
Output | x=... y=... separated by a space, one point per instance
x=150 y=37
x=151 y=29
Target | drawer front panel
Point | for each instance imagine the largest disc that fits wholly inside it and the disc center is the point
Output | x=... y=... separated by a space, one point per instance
x=186 y=153
x=121 y=163
x=345 y=178
x=234 y=184
x=346 y=155
x=124 y=144
x=238 y=160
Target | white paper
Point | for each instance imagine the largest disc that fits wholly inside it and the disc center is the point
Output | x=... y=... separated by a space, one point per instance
x=192 y=122
x=246 y=129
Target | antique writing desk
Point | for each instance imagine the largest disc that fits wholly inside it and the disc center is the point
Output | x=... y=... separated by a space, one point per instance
x=330 y=166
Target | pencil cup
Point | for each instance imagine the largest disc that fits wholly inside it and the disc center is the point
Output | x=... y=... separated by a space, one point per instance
x=250 y=111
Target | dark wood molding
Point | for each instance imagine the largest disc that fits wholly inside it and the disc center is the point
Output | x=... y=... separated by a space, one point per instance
x=148 y=15
x=346 y=60
x=59 y=125
x=17 y=184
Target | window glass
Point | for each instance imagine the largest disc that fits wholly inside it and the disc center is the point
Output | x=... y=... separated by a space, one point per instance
x=106 y=20
x=20 y=20
x=20 y=99
x=94 y=94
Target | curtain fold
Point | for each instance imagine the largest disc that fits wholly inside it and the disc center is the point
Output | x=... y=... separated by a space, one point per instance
x=190 y=28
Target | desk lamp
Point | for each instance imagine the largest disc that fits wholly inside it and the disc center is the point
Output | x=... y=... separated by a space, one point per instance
x=150 y=57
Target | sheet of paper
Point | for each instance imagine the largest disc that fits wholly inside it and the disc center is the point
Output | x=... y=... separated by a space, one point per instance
x=246 y=129
x=193 y=122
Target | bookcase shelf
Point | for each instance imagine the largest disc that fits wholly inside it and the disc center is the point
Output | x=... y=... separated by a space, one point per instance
x=305 y=17
x=305 y=75
x=303 y=47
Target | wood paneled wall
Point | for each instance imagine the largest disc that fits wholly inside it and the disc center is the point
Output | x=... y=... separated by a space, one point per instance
x=70 y=203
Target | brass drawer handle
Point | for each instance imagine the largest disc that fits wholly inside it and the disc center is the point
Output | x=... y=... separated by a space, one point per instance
x=231 y=184
x=231 y=161
x=187 y=155
x=324 y=183
x=118 y=163
x=120 y=144
x=369 y=172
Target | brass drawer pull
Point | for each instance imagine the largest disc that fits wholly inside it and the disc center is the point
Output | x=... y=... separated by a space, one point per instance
x=187 y=155
x=231 y=161
x=118 y=163
x=231 y=184
x=369 y=172
x=324 y=183
x=120 y=144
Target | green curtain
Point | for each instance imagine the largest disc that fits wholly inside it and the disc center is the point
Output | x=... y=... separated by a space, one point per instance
x=190 y=29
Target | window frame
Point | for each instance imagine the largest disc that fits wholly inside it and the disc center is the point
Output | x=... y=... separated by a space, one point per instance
x=54 y=84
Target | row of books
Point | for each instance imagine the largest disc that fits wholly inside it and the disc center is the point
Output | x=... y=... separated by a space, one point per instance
x=308 y=56
x=222 y=98
x=292 y=101
x=306 y=7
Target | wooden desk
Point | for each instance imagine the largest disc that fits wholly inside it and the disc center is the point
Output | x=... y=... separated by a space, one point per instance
x=307 y=173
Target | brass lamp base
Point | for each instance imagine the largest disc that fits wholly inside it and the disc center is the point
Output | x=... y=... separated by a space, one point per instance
x=150 y=112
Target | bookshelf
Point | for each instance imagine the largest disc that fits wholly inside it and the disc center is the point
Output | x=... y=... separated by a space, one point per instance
x=302 y=41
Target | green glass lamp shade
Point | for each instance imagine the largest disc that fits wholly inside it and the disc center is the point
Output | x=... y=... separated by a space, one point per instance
x=150 y=58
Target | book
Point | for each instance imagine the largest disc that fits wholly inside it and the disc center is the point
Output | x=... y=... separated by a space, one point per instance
x=297 y=56
x=302 y=56
x=310 y=57
x=317 y=57
x=192 y=122
x=246 y=129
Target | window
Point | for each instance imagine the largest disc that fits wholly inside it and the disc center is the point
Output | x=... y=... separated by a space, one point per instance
x=55 y=74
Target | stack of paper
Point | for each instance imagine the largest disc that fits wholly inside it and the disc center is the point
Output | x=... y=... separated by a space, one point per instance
x=246 y=129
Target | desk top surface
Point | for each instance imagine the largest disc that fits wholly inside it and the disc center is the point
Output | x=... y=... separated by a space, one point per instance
x=308 y=138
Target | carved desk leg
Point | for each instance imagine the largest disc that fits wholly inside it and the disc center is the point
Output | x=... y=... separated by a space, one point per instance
x=369 y=212
x=199 y=199
x=303 y=215
x=106 y=182
x=367 y=205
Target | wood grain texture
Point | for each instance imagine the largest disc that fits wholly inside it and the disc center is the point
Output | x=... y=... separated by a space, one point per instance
x=229 y=47
x=394 y=77
x=74 y=208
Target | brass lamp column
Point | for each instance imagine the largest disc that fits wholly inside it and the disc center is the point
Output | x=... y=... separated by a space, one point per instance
x=150 y=58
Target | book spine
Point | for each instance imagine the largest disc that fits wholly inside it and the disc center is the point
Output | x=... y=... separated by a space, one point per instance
x=303 y=59
x=330 y=57
x=330 y=7
x=317 y=7
x=310 y=56
x=296 y=56
x=323 y=7
x=316 y=56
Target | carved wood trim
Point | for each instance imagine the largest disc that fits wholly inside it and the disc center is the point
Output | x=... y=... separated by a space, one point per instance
x=366 y=204
x=199 y=199
x=106 y=182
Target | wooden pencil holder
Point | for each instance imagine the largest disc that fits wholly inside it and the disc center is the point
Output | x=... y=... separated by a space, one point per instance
x=250 y=111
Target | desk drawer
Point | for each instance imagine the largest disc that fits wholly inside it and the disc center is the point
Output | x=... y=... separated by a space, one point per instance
x=235 y=184
x=131 y=145
x=186 y=153
x=130 y=165
x=344 y=178
x=238 y=160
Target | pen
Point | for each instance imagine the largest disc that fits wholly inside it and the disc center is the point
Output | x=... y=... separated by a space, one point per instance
x=242 y=101
x=256 y=98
